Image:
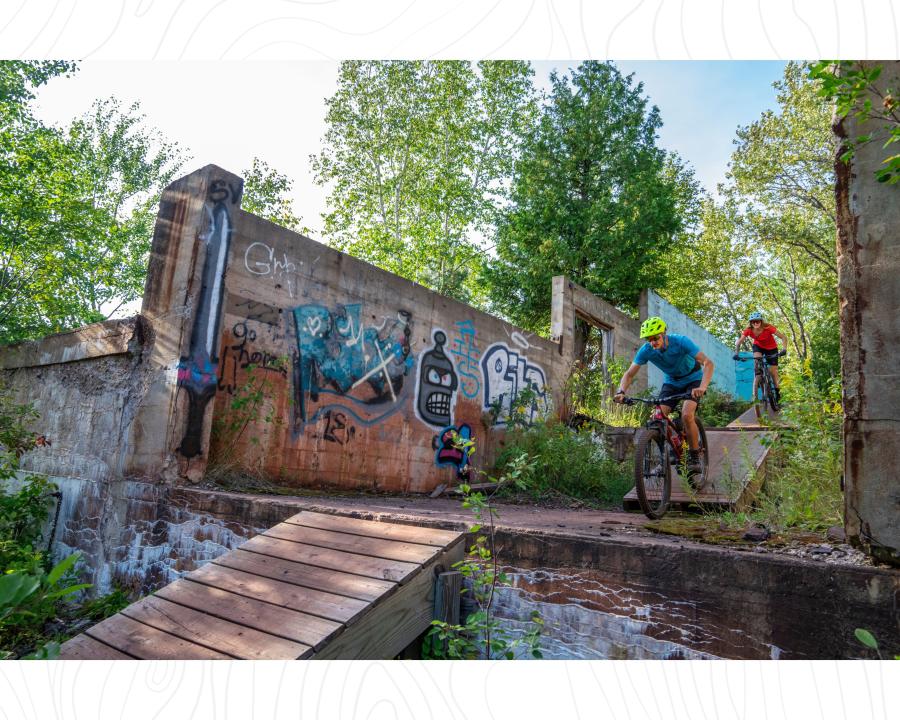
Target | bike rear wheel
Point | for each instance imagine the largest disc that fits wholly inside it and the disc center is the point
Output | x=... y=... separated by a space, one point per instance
x=652 y=473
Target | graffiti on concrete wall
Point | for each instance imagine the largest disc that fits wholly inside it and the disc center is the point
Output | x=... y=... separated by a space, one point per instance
x=262 y=260
x=241 y=354
x=454 y=451
x=197 y=369
x=438 y=383
x=466 y=354
x=507 y=374
x=357 y=368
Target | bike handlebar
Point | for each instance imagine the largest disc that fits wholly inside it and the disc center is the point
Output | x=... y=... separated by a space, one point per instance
x=659 y=400
x=781 y=353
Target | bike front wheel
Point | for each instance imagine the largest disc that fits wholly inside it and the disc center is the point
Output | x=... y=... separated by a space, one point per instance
x=761 y=399
x=773 y=403
x=652 y=476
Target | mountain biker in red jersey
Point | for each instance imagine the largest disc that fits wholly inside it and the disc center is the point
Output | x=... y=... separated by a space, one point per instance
x=686 y=370
x=763 y=337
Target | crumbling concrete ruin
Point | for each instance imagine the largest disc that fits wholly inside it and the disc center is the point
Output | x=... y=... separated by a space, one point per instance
x=869 y=289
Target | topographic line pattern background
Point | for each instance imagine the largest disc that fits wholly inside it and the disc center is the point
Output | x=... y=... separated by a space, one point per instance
x=527 y=29
x=232 y=30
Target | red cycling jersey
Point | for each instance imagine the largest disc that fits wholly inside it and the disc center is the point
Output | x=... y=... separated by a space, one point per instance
x=765 y=339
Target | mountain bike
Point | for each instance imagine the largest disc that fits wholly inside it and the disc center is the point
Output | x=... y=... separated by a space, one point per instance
x=662 y=444
x=764 y=395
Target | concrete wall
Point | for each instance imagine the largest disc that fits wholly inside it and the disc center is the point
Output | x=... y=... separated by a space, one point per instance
x=366 y=373
x=732 y=377
x=869 y=289
x=87 y=386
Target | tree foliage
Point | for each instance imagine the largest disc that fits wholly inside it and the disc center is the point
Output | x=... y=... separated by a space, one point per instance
x=77 y=207
x=594 y=198
x=769 y=244
x=852 y=85
x=417 y=154
x=266 y=194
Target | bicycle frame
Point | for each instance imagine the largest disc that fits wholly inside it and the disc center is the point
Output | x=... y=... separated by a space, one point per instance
x=674 y=437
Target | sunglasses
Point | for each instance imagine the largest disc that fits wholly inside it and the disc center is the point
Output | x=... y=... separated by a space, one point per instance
x=654 y=338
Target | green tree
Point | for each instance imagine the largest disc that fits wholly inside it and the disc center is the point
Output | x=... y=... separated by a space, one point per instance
x=77 y=207
x=266 y=194
x=769 y=244
x=417 y=155
x=593 y=198
x=852 y=85
x=783 y=178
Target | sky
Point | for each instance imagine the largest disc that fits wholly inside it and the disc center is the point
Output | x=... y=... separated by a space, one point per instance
x=226 y=113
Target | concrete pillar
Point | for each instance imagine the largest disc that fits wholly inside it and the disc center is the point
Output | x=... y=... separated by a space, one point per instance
x=868 y=238
x=183 y=302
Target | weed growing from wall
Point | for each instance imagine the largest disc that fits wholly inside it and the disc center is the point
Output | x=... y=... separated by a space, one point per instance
x=253 y=404
x=483 y=636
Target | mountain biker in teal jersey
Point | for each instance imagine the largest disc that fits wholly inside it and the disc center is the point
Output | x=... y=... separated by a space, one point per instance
x=685 y=368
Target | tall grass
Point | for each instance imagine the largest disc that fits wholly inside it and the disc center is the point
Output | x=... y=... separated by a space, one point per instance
x=804 y=474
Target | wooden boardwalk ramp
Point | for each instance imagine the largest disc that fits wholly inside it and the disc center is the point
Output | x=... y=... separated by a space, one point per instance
x=317 y=586
x=736 y=468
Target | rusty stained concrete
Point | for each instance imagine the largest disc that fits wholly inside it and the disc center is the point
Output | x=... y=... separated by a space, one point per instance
x=868 y=240
x=344 y=351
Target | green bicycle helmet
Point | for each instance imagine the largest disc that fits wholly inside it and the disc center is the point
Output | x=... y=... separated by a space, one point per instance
x=652 y=326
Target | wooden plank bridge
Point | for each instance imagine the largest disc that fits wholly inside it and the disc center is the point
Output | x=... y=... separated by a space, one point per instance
x=736 y=468
x=317 y=586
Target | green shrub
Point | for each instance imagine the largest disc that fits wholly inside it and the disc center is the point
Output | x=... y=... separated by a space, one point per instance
x=718 y=408
x=565 y=462
x=27 y=601
x=804 y=468
x=590 y=395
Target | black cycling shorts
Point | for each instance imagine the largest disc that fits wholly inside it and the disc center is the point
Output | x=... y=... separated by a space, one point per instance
x=770 y=355
x=668 y=390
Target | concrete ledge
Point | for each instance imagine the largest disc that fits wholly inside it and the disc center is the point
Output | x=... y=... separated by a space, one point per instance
x=111 y=337
x=808 y=608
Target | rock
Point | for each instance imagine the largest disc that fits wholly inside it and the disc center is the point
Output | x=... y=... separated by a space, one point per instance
x=836 y=534
x=757 y=533
x=821 y=550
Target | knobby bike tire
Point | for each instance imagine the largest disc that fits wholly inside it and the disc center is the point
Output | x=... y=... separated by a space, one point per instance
x=700 y=480
x=760 y=399
x=654 y=502
x=773 y=403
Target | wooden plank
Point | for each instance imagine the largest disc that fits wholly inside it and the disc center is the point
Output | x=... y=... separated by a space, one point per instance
x=198 y=627
x=373 y=528
x=447 y=597
x=295 y=573
x=392 y=624
x=315 y=602
x=84 y=647
x=290 y=624
x=364 y=565
x=359 y=544
x=148 y=643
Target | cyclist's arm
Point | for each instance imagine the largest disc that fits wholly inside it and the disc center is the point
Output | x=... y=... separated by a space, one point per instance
x=781 y=336
x=626 y=379
x=708 y=368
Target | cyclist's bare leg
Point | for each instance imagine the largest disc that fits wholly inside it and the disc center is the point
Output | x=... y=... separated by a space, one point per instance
x=773 y=370
x=690 y=425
